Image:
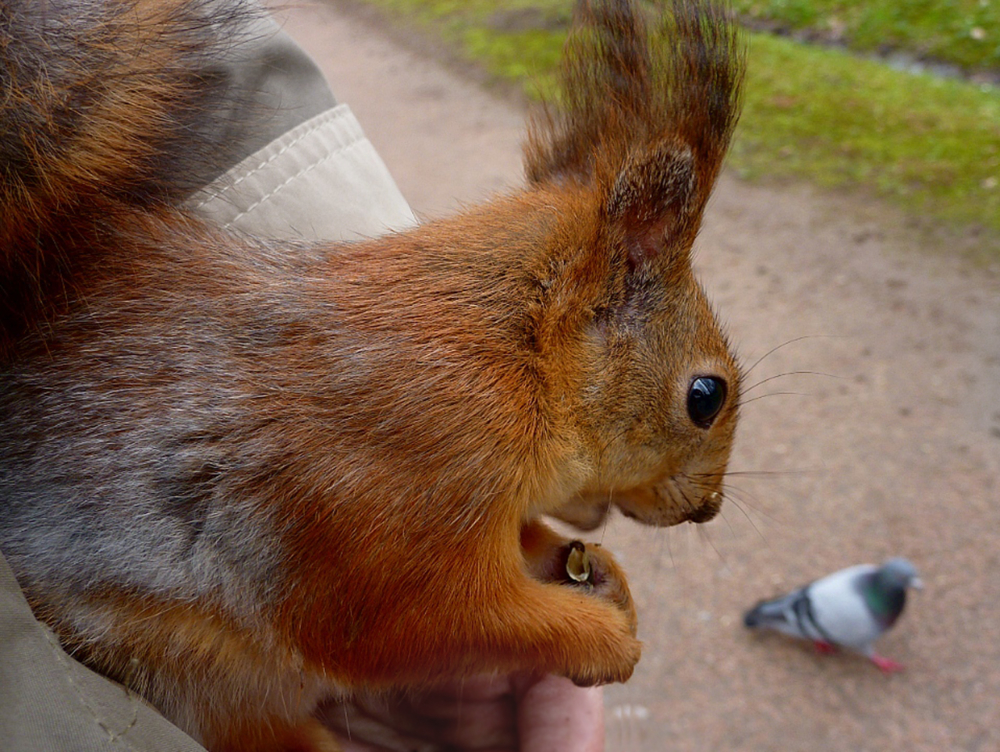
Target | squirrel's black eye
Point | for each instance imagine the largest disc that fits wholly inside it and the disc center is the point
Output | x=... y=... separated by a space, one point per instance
x=706 y=396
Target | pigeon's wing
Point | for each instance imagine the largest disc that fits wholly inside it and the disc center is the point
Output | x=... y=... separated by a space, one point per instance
x=840 y=611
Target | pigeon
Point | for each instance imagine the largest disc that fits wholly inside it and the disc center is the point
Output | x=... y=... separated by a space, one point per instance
x=850 y=608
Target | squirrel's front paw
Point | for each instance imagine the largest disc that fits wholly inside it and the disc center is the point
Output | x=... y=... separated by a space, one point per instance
x=609 y=664
x=592 y=569
x=597 y=637
x=585 y=567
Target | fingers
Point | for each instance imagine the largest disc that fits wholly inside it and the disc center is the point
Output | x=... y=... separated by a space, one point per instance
x=482 y=714
x=472 y=714
x=554 y=715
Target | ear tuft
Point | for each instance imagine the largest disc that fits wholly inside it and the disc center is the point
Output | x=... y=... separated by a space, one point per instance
x=654 y=201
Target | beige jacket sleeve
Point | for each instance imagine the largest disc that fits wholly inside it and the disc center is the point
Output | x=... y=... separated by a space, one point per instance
x=51 y=703
x=321 y=180
x=318 y=177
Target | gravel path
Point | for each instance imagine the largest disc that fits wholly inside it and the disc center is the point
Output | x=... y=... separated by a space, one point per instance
x=893 y=450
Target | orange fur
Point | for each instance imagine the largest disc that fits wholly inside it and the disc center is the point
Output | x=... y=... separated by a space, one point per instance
x=242 y=476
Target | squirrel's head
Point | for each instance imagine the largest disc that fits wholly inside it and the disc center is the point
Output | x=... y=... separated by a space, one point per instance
x=639 y=364
x=630 y=155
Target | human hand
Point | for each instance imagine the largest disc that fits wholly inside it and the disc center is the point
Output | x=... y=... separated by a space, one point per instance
x=526 y=713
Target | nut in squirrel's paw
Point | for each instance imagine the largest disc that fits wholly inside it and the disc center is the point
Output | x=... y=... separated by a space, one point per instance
x=578 y=567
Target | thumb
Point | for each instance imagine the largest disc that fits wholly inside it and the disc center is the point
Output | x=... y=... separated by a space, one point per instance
x=555 y=715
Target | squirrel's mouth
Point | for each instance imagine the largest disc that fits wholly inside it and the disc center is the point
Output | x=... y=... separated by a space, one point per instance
x=669 y=503
x=711 y=505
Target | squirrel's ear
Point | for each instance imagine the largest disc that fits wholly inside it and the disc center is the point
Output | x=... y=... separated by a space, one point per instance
x=653 y=201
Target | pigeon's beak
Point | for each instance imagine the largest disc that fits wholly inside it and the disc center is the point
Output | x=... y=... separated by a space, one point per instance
x=917 y=584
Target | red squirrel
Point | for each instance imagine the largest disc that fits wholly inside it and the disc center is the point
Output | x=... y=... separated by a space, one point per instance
x=242 y=476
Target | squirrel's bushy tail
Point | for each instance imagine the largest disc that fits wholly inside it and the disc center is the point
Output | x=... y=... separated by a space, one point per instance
x=107 y=109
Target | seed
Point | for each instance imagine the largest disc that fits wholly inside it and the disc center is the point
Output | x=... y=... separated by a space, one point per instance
x=578 y=562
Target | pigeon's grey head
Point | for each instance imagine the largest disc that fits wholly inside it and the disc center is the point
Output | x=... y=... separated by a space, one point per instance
x=899 y=572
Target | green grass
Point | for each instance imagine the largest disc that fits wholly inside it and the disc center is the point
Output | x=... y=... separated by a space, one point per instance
x=962 y=32
x=933 y=145
x=930 y=145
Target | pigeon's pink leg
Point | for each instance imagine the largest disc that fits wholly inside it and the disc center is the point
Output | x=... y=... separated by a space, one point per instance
x=824 y=647
x=887 y=665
